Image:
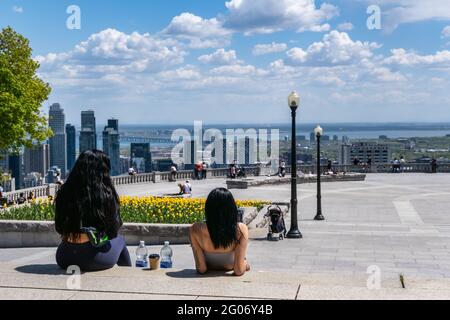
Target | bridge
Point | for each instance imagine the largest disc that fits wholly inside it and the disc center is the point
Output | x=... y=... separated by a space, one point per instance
x=140 y=139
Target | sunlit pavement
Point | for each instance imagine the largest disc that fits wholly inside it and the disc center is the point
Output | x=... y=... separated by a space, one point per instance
x=394 y=224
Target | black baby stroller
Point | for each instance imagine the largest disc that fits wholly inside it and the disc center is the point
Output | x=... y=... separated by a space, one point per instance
x=277 y=227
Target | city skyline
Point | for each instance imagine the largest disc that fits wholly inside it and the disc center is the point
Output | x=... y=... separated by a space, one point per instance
x=156 y=63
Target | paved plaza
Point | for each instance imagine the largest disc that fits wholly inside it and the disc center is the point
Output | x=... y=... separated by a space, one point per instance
x=398 y=223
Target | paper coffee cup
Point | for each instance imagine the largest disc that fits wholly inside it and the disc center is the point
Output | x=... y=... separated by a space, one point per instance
x=154 y=261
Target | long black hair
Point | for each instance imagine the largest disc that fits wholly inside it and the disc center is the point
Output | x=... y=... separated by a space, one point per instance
x=222 y=218
x=88 y=198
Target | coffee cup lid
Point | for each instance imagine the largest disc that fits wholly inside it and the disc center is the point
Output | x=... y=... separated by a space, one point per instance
x=154 y=256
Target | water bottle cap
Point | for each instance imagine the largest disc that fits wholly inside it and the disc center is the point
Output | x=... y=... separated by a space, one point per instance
x=142 y=243
x=166 y=243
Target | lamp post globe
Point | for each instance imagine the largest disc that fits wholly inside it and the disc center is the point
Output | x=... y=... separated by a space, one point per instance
x=294 y=100
x=294 y=104
x=319 y=216
x=318 y=131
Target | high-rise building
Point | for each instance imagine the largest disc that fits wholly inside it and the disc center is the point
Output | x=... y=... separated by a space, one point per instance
x=58 y=154
x=312 y=137
x=15 y=163
x=125 y=164
x=111 y=145
x=37 y=159
x=345 y=154
x=378 y=153
x=345 y=140
x=71 y=134
x=88 y=133
x=141 y=157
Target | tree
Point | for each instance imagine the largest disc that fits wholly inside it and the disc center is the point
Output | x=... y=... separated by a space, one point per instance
x=21 y=94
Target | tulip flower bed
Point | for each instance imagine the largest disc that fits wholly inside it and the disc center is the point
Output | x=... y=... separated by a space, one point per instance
x=132 y=210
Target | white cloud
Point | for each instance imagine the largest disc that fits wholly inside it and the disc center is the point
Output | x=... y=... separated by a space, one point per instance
x=346 y=26
x=220 y=57
x=238 y=70
x=268 y=16
x=262 y=49
x=17 y=9
x=202 y=33
x=446 y=32
x=111 y=52
x=336 y=48
x=184 y=73
x=410 y=58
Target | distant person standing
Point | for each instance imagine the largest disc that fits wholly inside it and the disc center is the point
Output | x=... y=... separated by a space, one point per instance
x=233 y=170
x=402 y=163
x=58 y=178
x=396 y=166
x=198 y=167
x=434 y=165
x=282 y=170
x=204 y=170
x=173 y=173
x=356 y=162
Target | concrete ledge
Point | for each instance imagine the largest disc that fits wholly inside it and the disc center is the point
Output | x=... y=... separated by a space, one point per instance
x=39 y=234
x=35 y=234
x=262 y=181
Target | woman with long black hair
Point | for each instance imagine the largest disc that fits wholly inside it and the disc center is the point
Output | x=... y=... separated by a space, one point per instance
x=87 y=216
x=221 y=243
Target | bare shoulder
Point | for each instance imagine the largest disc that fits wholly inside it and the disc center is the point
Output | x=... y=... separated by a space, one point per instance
x=197 y=228
x=244 y=230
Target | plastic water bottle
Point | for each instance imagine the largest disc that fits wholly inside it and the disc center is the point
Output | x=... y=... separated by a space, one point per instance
x=166 y=256
x=142 y=256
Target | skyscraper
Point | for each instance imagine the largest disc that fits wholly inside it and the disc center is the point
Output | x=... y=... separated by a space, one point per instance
x=88 y=134
x=15 y=166
x=58 y=154
x=345 y=154
x=111 y=145
x=71 y=134
x=37 y=159
x=141 y=157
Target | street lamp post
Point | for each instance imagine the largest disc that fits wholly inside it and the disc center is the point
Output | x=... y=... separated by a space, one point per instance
x=294 y=233
x=319 y=216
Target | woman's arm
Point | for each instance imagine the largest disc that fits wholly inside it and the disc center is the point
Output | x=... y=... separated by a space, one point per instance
x=240 y=262
x=200 y=262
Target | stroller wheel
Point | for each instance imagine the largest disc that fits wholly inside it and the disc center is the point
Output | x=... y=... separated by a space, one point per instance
x=269 y=237
x=281 y=237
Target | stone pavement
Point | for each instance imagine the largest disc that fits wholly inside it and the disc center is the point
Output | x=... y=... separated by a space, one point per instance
x=398 y=223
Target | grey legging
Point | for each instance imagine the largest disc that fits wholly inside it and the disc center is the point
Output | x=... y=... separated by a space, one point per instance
x=89 y=258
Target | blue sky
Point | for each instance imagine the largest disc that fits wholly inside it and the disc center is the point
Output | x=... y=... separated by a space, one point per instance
x=219 y=61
